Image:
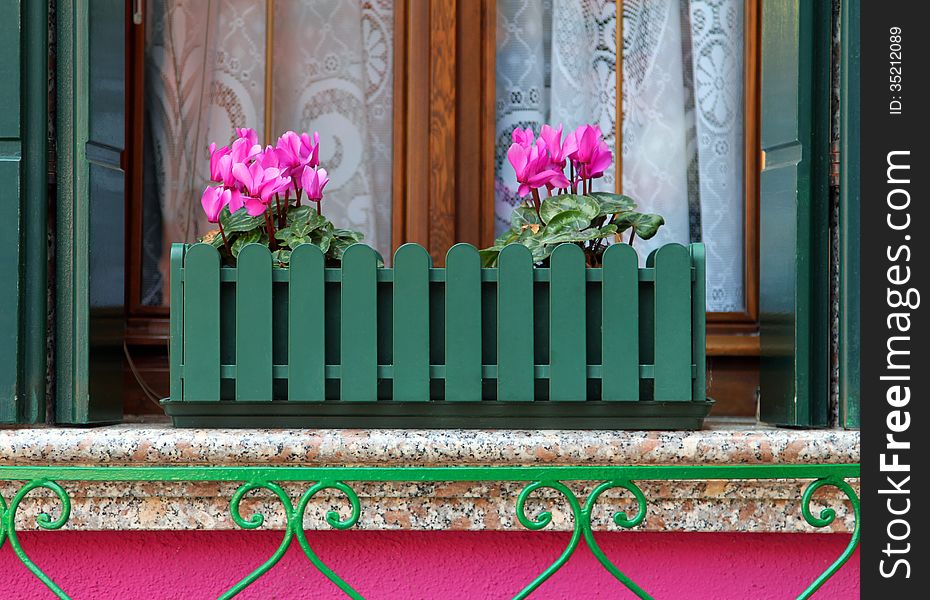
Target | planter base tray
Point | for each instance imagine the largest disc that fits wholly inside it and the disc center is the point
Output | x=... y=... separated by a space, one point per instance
x=440 y=415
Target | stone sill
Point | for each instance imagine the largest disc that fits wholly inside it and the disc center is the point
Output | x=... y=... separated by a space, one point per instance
x=736 y=506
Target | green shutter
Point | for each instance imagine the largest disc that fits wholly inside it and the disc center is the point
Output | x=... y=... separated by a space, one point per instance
x=91 y=203
x=794 y=242
x=849 y=215
x=23 y=257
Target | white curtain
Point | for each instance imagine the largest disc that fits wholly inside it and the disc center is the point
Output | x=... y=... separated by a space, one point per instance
x=205 y=73
x=682 y=103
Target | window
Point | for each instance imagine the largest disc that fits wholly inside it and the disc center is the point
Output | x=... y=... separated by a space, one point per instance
x=415 y=103
x=211 y=67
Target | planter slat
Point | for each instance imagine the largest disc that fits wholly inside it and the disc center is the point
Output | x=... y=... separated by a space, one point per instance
x=411 y=324
x=568 y=358
x=413 y=345
x=359 y=325
x=463 y=324
x=202 y=324
x=253 y=325
x=515 y=332
x=620 y=324
x=306 y=333
x=672 y=321
x=176 y=324
x=698 y=321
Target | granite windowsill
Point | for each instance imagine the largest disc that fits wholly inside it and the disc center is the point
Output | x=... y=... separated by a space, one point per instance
x=750 y=506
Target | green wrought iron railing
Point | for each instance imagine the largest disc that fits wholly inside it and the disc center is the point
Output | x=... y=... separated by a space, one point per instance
x=340 y=479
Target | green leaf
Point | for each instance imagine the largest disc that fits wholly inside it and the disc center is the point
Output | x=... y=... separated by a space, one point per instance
x=338 y=247
x=523 y=215
x=587 y=206
x=573 y=220
x=240 y=221
x=489 y=257
x=613 y=203
x=299 y=213
x=281 y=258
x=578 y=236
x=324 y=239
x=645 y=225
x=247 y=238
x=355 y=236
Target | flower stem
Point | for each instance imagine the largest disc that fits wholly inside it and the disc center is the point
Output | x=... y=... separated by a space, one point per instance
x=632 y=235
x=223 y=233
x=536 y=203
x=270 y=227
x=319 y=207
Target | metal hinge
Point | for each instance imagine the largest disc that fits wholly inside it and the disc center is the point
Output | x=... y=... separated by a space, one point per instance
x=137 y=12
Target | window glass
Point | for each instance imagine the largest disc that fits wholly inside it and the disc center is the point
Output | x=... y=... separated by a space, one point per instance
x=205 y=74
x=681 y=139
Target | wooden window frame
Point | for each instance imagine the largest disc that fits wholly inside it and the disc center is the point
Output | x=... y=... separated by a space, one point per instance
x=443 y=152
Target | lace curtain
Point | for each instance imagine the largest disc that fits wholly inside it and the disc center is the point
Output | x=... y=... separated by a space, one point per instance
x=205 y=73
x=682 y=134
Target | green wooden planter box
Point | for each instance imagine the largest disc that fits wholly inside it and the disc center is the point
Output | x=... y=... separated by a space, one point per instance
x=415 y=346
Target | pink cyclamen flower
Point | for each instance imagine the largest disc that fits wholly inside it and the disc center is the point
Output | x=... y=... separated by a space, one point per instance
x=523 y=137
x=220 y=164
x=297 y=151
x=558 y=151
x=269 y=158
x=260 y=184
x=213 y=200
x=532 y=167
x=591 y=156
x=248 y=134
x=313 y=180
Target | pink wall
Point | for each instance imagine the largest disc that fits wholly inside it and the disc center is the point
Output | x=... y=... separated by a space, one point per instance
x=437 y=566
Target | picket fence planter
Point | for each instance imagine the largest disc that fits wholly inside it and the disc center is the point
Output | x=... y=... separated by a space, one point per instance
x=415 y=346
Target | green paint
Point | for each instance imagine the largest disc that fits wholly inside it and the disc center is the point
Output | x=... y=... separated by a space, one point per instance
x=561 y=480
x=620 y=324
x=463 y=324
x=306 y=340
x=314 y=331
x=359 y=359
x=253 y=324
x=176 y=322
x=849 y=215
x=672 y=323
x=794 y=239
x=515 y=314
x=568 y=380
x=90 y=111
x=201 y=323
x=698 y=325
x=411 y=324
x=23 y=141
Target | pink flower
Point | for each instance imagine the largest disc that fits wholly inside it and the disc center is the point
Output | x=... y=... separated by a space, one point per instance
x=591 y=155
x=523 y=137
x=243 y=150
x=269 y=158
x=533 y=168
x=260 y=184
x=557 y=150
x=248 y=134
x=313 y=180
x=297 y=151
x=213 y=200
x=220 y=165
